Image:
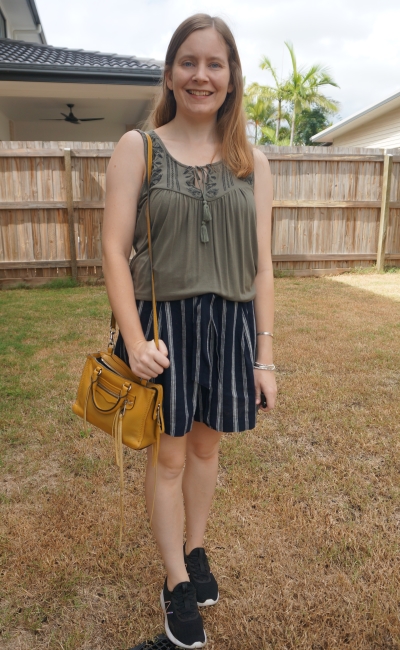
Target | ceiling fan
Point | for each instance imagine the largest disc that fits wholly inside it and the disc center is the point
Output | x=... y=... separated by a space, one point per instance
x=72 y=118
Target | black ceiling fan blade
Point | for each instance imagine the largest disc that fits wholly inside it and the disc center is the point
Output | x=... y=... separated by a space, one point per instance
x=71 y=118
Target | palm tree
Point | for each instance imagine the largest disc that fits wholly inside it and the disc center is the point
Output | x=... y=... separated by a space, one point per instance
x=270 y=132
x=303 y=89
x=279 y=93
x=259 y=108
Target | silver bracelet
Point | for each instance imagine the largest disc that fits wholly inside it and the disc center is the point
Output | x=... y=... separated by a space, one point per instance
x=264 y=366
x=265 y=334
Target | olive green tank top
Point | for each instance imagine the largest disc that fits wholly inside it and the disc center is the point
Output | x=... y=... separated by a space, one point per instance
x=203 y=229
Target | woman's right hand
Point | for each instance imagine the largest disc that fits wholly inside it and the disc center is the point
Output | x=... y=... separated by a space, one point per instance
x=146 y=361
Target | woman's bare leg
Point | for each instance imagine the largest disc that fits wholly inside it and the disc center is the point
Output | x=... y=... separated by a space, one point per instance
x=199 y=481
x=168 y=515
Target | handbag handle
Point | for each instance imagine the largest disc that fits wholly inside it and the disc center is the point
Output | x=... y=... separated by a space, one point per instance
x=94 y=383
x=113 y=322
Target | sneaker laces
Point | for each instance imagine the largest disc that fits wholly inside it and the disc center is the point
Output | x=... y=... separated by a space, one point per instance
x=198 y=564
x=185 y=600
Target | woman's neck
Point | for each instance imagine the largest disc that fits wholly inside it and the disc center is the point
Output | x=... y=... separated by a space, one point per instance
x=191 y=131
x=193 y=143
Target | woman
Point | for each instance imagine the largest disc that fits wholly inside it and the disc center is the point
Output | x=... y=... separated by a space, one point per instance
x=211 y=199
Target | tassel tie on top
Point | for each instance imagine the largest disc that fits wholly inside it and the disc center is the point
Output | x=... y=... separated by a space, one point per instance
x=206 y=208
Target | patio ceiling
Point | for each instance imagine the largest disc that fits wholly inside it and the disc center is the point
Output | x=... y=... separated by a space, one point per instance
x=35 y=101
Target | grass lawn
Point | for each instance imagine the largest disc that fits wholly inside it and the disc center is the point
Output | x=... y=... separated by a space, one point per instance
x=305 y=527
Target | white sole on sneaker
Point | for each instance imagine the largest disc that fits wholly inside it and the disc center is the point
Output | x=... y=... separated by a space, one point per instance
x=196 y=644
x=208 y=602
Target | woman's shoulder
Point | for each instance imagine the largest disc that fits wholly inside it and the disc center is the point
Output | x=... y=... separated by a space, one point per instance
x=127 y=161
x=263 y=184
x=261 y=165
x=131 y=141
x=260 y=159
x=129 y=149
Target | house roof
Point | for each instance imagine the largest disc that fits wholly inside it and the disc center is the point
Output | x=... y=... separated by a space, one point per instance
x=358 y=119
x=22 y=61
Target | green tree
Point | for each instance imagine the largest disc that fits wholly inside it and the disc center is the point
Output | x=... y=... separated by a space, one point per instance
x=310 y=122
x=278 y=93
x=259 y=108
x=293 y=109
x=269 y=135
x=303 y=89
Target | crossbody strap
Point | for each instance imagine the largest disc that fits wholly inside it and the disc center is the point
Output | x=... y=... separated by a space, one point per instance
x=153 y=291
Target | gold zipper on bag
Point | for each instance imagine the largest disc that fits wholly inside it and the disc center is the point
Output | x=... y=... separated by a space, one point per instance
x=107 y=390
x=158 y=415
x=104 y=363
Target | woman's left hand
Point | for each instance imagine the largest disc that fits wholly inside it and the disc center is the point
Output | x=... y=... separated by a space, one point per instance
x=265 y=383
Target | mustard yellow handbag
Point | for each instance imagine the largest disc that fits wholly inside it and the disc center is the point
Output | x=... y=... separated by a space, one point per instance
x=115 y=400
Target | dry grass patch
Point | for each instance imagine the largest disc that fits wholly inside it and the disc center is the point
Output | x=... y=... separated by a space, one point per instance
x=304 y=531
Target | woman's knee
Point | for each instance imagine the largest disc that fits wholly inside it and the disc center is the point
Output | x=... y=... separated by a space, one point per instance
x=171 y=457
x=204 y=445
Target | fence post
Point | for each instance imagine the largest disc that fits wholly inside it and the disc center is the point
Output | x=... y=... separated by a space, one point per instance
x=70 y=208
x=384 y=218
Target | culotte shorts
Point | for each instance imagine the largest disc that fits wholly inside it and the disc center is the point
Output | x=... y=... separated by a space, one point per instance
x=211 y=348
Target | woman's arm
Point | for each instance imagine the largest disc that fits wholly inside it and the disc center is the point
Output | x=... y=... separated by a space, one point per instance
x=264 y=300
x=125 y=175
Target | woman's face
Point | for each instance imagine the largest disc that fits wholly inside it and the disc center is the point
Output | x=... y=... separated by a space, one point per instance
x=200 y=75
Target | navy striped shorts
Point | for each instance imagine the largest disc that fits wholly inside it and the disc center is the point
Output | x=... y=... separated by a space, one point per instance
x=211 y=348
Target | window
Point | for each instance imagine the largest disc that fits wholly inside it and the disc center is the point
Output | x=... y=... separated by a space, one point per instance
x=3 y=26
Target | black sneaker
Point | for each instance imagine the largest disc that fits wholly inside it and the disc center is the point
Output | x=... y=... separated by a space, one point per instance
x=183 y=623
x=201 y=577
x=159 y=643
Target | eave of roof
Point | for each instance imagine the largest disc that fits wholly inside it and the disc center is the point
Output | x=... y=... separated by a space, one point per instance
x=65 y=74
x=357 y=119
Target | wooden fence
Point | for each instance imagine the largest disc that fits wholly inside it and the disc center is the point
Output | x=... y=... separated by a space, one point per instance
x=333 y=208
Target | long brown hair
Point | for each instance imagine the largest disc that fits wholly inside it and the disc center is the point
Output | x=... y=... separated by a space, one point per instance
x=231 y=121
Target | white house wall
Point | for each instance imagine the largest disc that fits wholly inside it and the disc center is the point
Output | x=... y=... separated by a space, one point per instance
x=382 y=132
x=4 y=127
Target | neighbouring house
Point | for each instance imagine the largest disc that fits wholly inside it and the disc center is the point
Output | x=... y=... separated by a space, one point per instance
x=38 y=82
x=19 y=20
x=377 y=126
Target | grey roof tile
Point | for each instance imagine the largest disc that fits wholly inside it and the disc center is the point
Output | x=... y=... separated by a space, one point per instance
x=21 y=52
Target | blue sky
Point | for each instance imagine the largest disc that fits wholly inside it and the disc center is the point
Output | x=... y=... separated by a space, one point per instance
x=357 y=39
